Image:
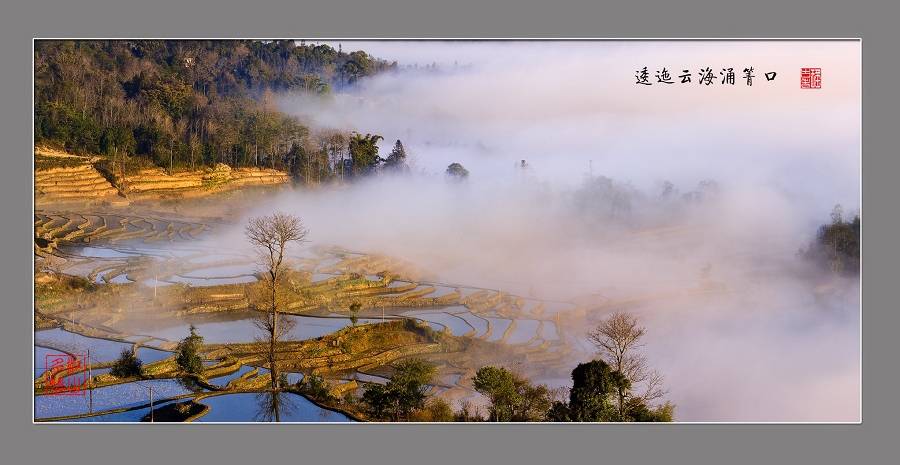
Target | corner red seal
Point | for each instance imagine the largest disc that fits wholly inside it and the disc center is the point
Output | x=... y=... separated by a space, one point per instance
x=810 y=78
x=65 y=374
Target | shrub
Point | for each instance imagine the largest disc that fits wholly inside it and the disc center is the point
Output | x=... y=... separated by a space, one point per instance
x=188 y=351
x=127 y=365
x=436 y=410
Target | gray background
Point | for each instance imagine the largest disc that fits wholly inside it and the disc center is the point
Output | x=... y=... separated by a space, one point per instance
x=871 y=442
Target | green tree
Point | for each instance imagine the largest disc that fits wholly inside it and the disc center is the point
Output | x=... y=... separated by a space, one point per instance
x=535 y=401
x=456 y=172
x=127 y=365
x=376 y=399
x=354 y=308
x=271 y=235
x=396 y=161
x=403 y=393
x=499 y=386
x=595 y=385
x=559 y=412
x=639 y=411
x=188 y=353
x=594 y=397
x=408 y=386
x=364 y=153
x=513 y=396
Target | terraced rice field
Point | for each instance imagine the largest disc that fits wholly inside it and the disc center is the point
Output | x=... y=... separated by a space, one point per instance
x=152 y=257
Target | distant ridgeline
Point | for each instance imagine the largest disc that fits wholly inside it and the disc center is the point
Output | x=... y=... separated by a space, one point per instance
x=188 y=104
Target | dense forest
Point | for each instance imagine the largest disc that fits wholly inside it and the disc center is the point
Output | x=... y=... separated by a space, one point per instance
x=185 y=104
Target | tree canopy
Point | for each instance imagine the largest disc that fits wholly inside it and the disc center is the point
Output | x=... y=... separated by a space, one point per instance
x=595 y=385
x=513 y=396
x=396 y=160
x=457 y=172
x=188 y=353
x=497 y=384
x=127 y=365
x=364 y=153
x=404 y=392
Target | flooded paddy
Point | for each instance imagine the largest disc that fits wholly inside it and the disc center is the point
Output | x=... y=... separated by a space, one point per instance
x=548 y=331
x=324 y=264
x=363 y=378
x=148 y=355
x=480 y=324
x=210 y=257
x=311 y=327
x=107 y=398
x=97 y=252
x=128 y=416
x=123 y=279
x=40 y=359
x=243 y=329
x=200 y=281
x=489 y=315
x=322 y=277
x=467 y=291
x=552 y=308
x=253 y=407
x=524 y=331
x=457 y=325
x=213 y=332
x=101 y=350
x=451 y=379
x=222 y=271
x=223 y=381
x=498 y=328
x=441 y=291
x=533 y=306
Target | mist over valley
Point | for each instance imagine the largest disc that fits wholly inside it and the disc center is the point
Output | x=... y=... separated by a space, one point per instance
x=691 y=207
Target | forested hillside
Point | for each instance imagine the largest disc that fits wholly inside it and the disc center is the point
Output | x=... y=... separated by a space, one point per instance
x=186 y=104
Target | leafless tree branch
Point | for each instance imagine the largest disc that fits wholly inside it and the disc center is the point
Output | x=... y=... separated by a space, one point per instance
x=618 y=338
x=270 y=235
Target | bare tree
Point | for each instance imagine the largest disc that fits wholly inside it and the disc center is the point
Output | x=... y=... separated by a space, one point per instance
x=270 y=236
x=618 y=339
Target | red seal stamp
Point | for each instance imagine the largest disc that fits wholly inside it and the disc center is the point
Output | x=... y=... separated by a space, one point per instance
x=66 y=374
x=810 y=78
